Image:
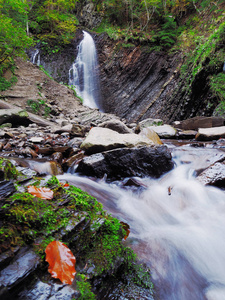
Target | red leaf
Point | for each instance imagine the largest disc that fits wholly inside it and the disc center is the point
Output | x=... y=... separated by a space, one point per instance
x=126 y=227
x=61 y=262
x=42 y=192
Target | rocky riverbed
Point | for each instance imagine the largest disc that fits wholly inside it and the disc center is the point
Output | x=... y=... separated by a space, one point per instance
x=64 y=136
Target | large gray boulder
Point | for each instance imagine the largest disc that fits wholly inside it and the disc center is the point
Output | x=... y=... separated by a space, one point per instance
x=128 y=162
x=103 y=139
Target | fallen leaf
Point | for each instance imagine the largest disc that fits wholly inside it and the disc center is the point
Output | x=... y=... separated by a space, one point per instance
x=61 y=262
x=126 y=227
x=42 y=192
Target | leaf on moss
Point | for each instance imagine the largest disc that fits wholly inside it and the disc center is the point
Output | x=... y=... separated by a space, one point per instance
x=42 y=192
x=61 y=262
x=126 y=227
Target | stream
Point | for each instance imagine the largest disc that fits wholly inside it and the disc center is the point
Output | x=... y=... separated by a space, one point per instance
x=177 y=225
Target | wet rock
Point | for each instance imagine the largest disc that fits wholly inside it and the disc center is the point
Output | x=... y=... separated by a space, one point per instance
x=213 y=175
x=115 y=125
x=57 y=156
x=36 y=139
x=79 y=130
x=41 y=167
x=148 y=122
x=200 y=122
x=152 y=135
x=73 y=129
x=26 y=152
x=71 y=161
x=7 y=256
x=127 y=162
x=6 y=189
x=46 y=291
x=102 y=139
x=165 y=131
x=75 y=142
x=209 y=134
x=24 y=264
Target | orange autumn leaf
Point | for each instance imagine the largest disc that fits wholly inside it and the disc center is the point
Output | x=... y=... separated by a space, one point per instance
x=42 y=192
x=61 y=262
x=126 y=227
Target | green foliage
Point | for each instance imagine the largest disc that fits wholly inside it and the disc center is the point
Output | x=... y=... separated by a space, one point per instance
x=84 y=288
x=10 y=171
x=166 y=37
x=54 y=21
x=39 y=106
x=6 y=84
x=217 y=85
x=13 y=37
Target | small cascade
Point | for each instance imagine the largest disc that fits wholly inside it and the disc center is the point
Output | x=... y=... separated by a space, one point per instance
x=35 y=58
x=83 y=74
x=177 y=226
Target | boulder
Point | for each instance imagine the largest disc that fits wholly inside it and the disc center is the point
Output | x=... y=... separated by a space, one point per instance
x=213 y=175
x=103 y=139
x=115 y=125
x=152 y=135
x=15 y=116
x=73 y=129
x=209 y=134
x=127 y=162
x=23 y=266
x=199 y=122
x=165 y=131
x=149 y=122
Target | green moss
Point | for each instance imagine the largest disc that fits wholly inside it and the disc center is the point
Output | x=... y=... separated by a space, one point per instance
x=10 y=171
x=94 y=237
x=84 y=287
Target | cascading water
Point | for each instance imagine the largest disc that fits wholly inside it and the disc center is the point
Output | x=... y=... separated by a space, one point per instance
x=35 y=58
x=179 y=234
x=83 y=74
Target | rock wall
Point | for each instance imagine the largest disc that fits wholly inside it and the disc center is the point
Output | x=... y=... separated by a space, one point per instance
x=137 y=84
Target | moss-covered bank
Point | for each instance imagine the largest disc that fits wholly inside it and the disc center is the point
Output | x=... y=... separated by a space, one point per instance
x=78 y=220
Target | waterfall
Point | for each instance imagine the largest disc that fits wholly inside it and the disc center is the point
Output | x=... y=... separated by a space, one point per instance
x=179 y=235
x=35 y=58
x=83 y=74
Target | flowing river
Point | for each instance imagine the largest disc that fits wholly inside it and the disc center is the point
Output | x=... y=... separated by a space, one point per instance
x=177 y=225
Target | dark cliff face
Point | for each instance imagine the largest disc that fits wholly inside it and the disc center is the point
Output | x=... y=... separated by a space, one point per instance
x=137 y=84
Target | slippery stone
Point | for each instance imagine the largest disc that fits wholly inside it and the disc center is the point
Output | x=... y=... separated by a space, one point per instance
x=103 y=139
x=165 y=131
x=127 y=162
x=199 y=122
x=152 y=135
x=209 y=134
x=213 y=175
x=6 y=189
x=23 y=265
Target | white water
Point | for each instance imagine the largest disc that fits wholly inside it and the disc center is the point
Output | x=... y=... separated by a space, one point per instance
x=35 y=58
x=180 y=236
x=83 y=74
